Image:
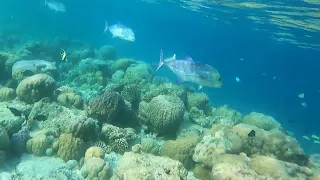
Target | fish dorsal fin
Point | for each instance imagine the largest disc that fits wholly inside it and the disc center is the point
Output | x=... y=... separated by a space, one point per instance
x=188 y=58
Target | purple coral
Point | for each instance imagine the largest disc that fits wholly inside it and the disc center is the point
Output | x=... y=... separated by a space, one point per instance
x=18 y=141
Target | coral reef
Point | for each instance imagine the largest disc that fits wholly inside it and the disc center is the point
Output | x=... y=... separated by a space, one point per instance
x=147 y=166
x=35 y=87
x=261 y=121
x=70 y=147
x=117 y=139
x=7 y=94
x=163 y=114
x=105 y=107
x=25 y=68
x=107 y=53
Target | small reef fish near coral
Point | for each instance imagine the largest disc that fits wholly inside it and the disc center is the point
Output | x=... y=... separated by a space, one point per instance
x=55 y=5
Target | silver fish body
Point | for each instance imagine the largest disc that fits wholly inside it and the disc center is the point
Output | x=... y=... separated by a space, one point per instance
x=195 y=72
x=120 y=31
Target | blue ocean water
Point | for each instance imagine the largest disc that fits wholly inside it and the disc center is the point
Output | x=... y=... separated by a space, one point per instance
x=174 y=29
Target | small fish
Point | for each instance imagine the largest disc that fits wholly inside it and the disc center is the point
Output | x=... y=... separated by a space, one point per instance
x=188 y=70
x=63 y=55
x=274 y=77
x=291 y=121
x=241 y=59
x=55 y=5
x=304 y=104
x=120 y=31
x=301 y=95
x=15 y=111
x=316 y=142
x=252 y=133
x=237 y=79
x=315 y=136
x=306 y=137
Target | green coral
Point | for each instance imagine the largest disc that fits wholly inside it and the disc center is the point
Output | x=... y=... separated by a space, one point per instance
x=70 y=147
x=261 y=121
x=4 y=139
x=165 y=89
x=122 y=64
x=198 y=100
x=132 y=94
x=107 y=53
x=227 y=116
x=181 y=149
x=7 y=94
x=138 y=74
x=39 y=144
x=163 y=115
x=150 y=145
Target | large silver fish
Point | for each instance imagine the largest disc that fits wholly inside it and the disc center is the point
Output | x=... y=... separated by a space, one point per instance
x=120 y=31
x=190 y=71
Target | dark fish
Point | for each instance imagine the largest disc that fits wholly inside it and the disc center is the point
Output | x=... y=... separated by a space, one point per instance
x=40 y=117
x=291 y=121
x=15 y=111
x=252 y=133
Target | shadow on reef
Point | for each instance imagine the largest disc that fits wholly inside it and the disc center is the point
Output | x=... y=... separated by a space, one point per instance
x=109 y=118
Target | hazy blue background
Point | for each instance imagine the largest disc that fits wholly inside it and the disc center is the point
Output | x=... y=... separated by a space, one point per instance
x=180 y=31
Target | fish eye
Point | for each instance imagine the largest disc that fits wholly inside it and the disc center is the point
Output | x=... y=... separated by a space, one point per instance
x=218 y=79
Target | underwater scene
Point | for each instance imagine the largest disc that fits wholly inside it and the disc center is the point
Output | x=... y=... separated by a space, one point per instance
x=159 y=90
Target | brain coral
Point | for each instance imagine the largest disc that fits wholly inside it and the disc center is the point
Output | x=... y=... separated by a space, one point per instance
x=106 y=106
x=35 y=87
x=163 y=114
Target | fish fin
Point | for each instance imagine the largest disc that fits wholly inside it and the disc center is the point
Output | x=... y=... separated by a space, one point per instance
x=106 y=27
x=174 y=57
x=199 y=87
x=188 y=58
x=45 y=2
x=161 y=60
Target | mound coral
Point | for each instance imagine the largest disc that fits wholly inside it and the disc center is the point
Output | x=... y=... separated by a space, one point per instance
x=35 y=87
x=163 y=114
x=94 y=151
x=261 y=121
x=7 y=94
x=165 y=89
x=132 y=94
x=107 y=53
x=198 y=100
x=96 y=168
x=122 y=64
x=117 y=139
x=25 y=68
x=69 y=97
x=227 y=116
x=105 y=107
x=84 y=128
x=39 y=144
x=181 y=149
x=220 y=141
x=139 y=73
x=146 y=166
x=70 y=147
